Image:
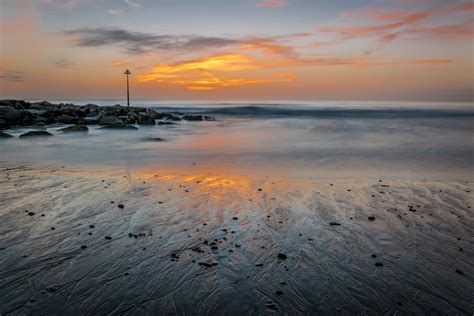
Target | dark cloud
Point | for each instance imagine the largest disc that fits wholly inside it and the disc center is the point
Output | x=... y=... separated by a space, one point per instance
x=12 y=75
x=139 y=43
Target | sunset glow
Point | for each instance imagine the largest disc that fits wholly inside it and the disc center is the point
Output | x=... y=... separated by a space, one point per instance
x=284 y=50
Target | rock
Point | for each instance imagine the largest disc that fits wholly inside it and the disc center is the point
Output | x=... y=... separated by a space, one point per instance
x=120 y=126
x=110 y=120
x=31 y=213
x=459 y=271
x=279 y=293
x=83 y=247
x=121 y=206
x=89 y=120
x=282 y=256
x=36 y=133
x=193 y=118
x=66 y=119
x=235 y=218
x=75 y=128
x=334 y=224
x=166 y=123
x=153 y=139
x=208 y=264
x=5 y=135
x=371 y=218
x=108 y=237
x=170 y=117
x=379 y=264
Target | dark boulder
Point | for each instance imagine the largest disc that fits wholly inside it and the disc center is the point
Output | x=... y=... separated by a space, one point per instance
x=119 y=126
x=166 y=123
x=193 y=118
x=36 y=133
x=110 y=120
x=75 y=128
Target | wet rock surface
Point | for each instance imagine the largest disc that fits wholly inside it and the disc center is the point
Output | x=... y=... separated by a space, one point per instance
x=88 y=256
x=16 y=113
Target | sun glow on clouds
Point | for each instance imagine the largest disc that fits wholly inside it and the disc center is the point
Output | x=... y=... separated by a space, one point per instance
x=206 y=73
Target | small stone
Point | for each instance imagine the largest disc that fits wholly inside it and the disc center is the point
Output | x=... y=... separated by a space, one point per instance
x=379 y=264
x=108 y=237
x=235 y=218
x=282 y=256
x=459 y=271
x=371 y=218
x=91 y=226
x=83 y=247
x=121 y=206
x=279 y=293
x=31 y=213
x=334 y=224
x=259 y=265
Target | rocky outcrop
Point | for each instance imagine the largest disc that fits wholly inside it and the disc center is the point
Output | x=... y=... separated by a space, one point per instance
x=22 y=113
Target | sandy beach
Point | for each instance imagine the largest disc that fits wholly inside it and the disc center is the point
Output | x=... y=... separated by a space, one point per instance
x=115 y=241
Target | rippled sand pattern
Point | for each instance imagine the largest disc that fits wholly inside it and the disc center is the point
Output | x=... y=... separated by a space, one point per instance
x=209 y=245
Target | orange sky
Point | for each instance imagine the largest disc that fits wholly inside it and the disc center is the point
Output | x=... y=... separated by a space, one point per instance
x=241 y=50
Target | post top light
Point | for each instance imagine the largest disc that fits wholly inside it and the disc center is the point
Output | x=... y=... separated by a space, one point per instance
x=127 y=72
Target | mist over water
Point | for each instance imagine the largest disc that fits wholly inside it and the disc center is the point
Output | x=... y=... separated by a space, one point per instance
x=336 y=139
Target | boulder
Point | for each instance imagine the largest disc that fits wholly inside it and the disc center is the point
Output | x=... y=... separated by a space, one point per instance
x=110 y=120
x=166 y=123
x=75 y=128
x=193 y=118
x=89 y=120
x=35 y=133
x=120 y=126
x=10 y=117
x=66 y=119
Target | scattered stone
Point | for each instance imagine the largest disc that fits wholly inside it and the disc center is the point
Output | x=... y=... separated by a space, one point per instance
x=121 y=206
x=371 y=218
x=379 y=264
x=259 y=265
x=334 y=224
x=208 y=264
x=31 y=213
x=235 y=218
x=459 y=271
x=282 y=256
x=108 y=237
x=279 y=293
x=83 y=247
x=91 y=226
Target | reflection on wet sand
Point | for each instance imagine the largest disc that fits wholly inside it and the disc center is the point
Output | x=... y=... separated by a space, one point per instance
x=219 y=243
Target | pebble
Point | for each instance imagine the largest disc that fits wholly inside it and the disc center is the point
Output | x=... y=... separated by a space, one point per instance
x=334 y=224
x=379 y=264
x=279 y=293
x=282 y=256
x=371 y=218
x=120 y=206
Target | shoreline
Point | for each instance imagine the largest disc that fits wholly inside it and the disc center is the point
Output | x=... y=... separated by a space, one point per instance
x=179 y=238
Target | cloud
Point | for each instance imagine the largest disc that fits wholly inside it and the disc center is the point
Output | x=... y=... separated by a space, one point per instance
x=143 y=43
x=115 y=11
x=12 y=75
x=64 y=63
x=140 y=43
x=272 y=4
x=406 y=23
x=134 y=5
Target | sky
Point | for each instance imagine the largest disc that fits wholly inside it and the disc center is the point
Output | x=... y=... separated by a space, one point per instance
x=390 y=50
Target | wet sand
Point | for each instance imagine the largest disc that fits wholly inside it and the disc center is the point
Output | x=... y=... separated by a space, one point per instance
x=97 y=241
